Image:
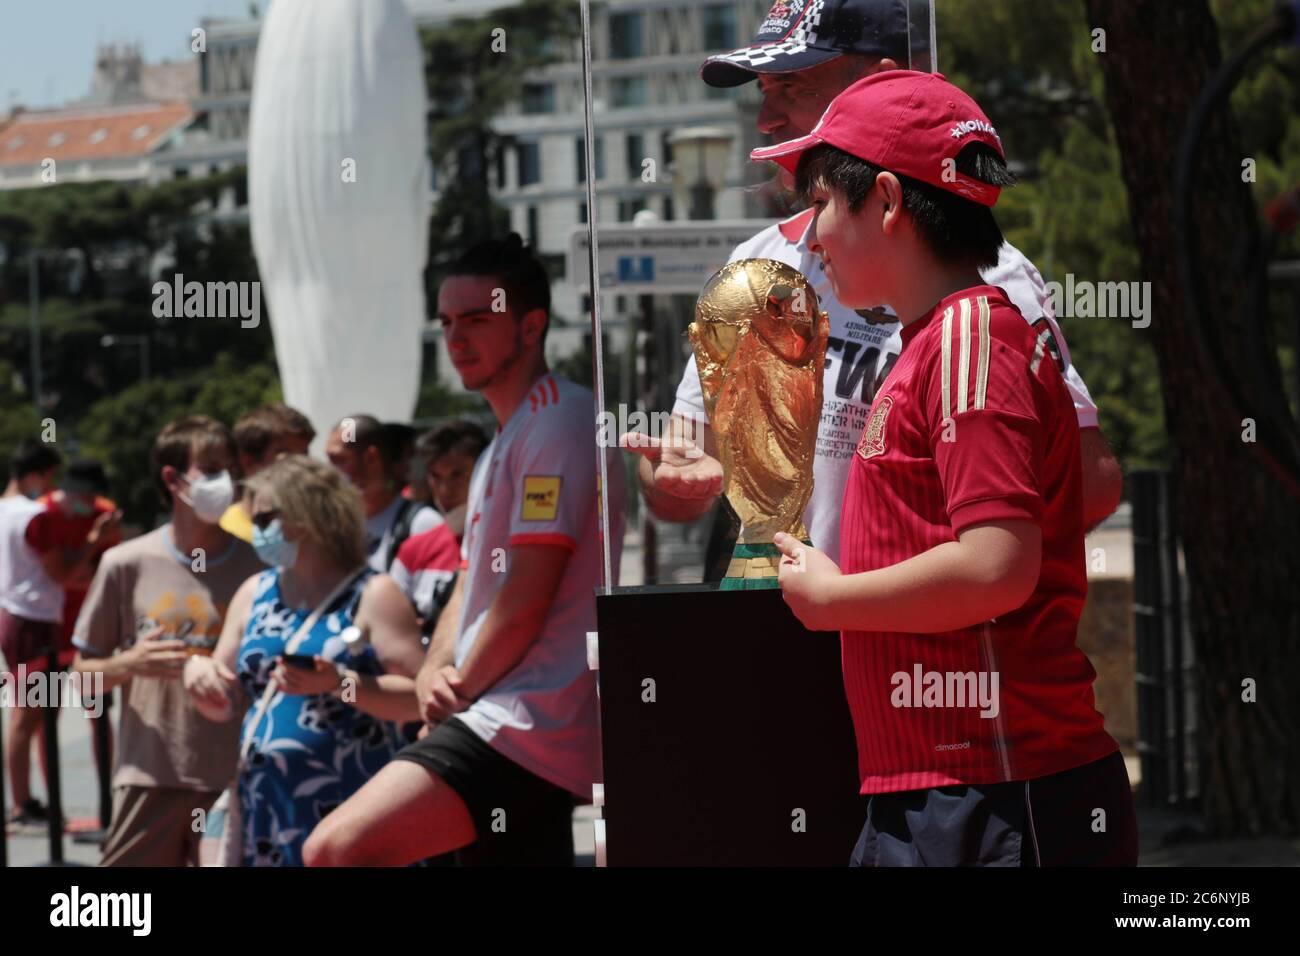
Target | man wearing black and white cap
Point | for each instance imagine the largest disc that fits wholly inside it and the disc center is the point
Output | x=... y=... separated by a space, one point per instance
x=805 y=53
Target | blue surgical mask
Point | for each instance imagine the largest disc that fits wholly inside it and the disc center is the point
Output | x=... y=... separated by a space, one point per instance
x=272 y=546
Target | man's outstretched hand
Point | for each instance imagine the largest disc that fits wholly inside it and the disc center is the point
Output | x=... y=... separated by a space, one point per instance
x=678 y=467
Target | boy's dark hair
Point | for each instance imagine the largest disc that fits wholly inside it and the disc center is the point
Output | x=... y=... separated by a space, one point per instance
x=85 y=476
x=956 y=230
x=183 y=440
x=255 y=431
x=522 y=275
x=32 y=457
x=462 y=437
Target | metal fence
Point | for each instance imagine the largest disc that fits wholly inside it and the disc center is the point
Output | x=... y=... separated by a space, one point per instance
x=1167 y=706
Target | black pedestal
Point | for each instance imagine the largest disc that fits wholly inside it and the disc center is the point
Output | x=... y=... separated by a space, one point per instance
x=748 y=727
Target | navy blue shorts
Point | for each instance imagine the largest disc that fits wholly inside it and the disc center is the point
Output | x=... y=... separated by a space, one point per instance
x=1079 y=817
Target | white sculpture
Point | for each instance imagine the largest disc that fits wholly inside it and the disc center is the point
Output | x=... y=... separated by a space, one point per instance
x=338 y=203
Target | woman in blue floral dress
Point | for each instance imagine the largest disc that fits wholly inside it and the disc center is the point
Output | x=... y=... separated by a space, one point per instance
x=329 y=726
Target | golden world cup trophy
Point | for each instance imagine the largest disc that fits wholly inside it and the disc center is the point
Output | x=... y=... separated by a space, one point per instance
x=760 y=346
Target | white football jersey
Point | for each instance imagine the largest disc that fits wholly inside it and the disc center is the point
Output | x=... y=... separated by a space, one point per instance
x=859 y=354
x=537 y=483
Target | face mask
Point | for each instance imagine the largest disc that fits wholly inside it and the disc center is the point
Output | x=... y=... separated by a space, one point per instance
x=32 y=493
x=456 y=519
x=272 y=546
x=210 y=496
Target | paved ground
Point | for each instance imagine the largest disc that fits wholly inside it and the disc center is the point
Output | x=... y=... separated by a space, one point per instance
x=1168 y=839
x=81 y=800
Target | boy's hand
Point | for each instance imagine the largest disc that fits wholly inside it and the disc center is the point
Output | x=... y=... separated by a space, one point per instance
x=806 y=575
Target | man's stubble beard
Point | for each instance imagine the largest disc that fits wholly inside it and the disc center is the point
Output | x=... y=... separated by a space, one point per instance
x=505 y=367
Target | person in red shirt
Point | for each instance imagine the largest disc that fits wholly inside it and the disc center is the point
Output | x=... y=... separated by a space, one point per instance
x=78 y=525
x=962 y=530
x=74 y=527
x=426 y=564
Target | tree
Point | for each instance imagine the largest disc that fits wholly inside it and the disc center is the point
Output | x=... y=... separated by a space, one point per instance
x=1239 y=526
x=120 y=430
x=475 y=68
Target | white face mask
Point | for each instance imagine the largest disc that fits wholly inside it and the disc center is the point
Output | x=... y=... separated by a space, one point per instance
x=456 y=519
x=210 y=496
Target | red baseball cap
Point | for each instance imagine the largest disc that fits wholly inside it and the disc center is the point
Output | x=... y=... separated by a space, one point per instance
x=906 y=122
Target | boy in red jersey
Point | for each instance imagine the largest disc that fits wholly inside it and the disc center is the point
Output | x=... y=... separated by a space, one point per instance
x=962 y=532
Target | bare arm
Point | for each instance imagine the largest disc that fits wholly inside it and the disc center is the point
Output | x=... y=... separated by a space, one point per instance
x=514 y=621
x=990 y=570
x=679 y=479
x=387 y=617
x=1103 y=481
x=211 y=681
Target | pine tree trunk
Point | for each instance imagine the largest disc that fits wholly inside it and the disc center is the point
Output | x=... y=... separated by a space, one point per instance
x=1240 y=528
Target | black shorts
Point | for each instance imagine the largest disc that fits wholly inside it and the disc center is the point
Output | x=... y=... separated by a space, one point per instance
x=520 y=819
x=1078 y=817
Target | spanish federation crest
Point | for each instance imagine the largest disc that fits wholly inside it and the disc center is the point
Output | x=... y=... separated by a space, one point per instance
x=873 y=436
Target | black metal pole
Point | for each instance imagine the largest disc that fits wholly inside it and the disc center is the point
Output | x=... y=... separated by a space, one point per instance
x=51 y=715
x=4 y=836
x=103 y=761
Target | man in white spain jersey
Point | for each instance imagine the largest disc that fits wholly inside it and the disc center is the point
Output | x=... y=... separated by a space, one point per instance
x=505 y=688
x=807 y=52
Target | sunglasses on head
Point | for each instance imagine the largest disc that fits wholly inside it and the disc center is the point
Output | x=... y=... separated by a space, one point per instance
x=263 y=519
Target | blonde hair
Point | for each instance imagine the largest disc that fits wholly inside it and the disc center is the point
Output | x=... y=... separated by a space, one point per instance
x=318 y=499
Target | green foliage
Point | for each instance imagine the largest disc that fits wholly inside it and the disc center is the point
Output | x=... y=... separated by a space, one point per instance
x=1044 y=90
x=119 y=430
x=437 y=402
x=18 y=417
x=471 y=81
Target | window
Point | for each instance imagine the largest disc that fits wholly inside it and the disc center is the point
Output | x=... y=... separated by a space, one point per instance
x=635 y=154
x=538 y=98
x=625 y=35
x=580 y=154
x=669 y=212
x=141 y=131
x=532 y=226
x=627 y=91
x=582 y=212
x=666 y=146
x=58 y=139
x=719 y=27
x=99 y=135
x=501 y=167
x=627 y=208
x=530 y=164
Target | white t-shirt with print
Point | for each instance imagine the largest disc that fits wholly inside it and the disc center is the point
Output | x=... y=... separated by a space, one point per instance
x=537 y=483
x=26 y=590
x=860 y=353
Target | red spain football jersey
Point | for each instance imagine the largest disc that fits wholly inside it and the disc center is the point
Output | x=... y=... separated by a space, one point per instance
x=973 y=424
